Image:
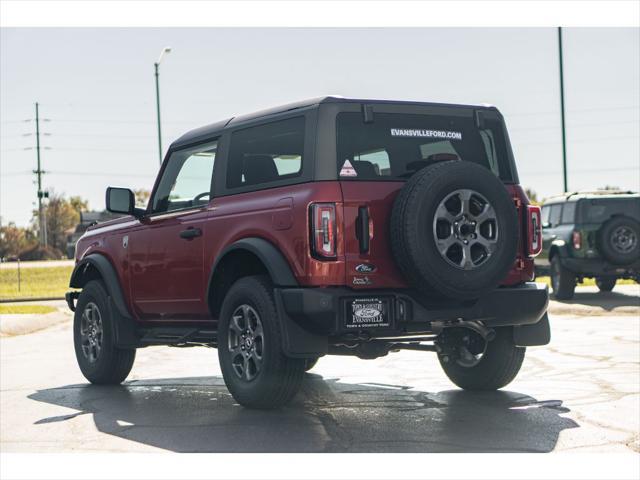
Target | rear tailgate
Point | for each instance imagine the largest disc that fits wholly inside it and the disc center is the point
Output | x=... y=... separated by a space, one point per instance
x=374 y=267
x=375 y=157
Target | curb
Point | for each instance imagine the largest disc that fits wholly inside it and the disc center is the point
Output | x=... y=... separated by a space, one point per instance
x=556 y=308
x=34 y=299
x=12 y=325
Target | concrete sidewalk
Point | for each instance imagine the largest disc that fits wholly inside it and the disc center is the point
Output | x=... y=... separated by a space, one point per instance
x=22 y=324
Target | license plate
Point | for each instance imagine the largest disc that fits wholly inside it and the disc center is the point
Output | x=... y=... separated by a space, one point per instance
x=367 y=313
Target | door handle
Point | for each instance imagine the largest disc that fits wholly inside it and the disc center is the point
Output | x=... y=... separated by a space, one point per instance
x=190 y=233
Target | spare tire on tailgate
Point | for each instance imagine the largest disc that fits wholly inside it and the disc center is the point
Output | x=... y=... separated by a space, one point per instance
x=619 y=240
x=454 y=230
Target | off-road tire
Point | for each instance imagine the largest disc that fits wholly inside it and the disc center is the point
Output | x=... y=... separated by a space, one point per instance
x=563 y=281
x=606 y=284
x=412 y=240
x=279 y=377
x=112 y=364
x=605 y=240
x=499 y=365
x=309 y=363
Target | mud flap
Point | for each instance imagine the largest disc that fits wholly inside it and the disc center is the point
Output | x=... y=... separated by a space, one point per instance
x=532 y=335
x=296 y=341
x=126 y=335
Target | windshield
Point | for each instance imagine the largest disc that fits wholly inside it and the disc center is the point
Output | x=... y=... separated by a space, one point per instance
x=395 y=146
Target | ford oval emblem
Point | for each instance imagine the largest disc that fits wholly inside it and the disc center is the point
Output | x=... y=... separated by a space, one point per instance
x=365 y=268
x=367 y=313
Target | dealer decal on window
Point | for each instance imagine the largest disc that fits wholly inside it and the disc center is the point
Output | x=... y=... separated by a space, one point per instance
x=417 y=132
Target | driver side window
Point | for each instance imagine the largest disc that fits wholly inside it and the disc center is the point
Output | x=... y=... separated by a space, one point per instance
x=186 y=182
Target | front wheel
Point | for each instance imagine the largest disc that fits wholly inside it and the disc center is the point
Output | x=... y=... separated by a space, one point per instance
x=255 y=370
x=563 y=282
x=605 y=284
x=474 y=364
x=94 y=338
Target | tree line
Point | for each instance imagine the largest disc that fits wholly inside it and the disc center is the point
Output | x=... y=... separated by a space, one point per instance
x=62 y=216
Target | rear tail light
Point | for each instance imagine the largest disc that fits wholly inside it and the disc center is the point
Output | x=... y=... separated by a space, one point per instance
x=534 y=230
x=576 y=238
x=323 y=229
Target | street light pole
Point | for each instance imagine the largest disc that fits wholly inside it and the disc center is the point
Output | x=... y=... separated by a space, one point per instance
x=564 y=138
x=157 y=74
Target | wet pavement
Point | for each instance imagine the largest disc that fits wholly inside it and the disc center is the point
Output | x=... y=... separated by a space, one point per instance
x=580 y=393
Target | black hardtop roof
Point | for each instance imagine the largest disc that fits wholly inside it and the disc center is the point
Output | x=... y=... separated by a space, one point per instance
x=201 y=133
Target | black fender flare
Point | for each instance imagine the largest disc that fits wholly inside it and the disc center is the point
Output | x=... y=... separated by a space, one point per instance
x=109 y=277
x=558 y=247
x=274 y=261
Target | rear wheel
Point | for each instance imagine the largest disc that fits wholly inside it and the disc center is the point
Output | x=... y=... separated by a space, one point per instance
x=563 y=282
x=605 y=284
x=255 y=370
x=94 y=338
x=474 y=364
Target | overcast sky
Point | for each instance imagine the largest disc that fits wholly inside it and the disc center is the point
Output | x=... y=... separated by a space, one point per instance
x=97 y=88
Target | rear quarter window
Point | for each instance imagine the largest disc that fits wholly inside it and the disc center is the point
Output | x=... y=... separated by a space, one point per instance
x=569 y=212
x=600 y=210
x=266 y=154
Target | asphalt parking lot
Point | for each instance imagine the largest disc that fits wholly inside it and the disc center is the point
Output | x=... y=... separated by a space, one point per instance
x=580 y=393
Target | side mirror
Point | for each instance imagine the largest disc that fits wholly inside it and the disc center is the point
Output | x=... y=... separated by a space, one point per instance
x=121 y=200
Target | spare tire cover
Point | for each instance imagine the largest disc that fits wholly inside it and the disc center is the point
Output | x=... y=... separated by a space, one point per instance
x=454 y=230
x=619 y=240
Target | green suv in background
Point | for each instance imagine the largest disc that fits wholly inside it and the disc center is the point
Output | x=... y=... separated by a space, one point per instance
x=590 y=235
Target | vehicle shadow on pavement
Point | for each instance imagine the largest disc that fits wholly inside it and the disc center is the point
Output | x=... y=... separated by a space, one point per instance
x=605 y=300
x=199 y=415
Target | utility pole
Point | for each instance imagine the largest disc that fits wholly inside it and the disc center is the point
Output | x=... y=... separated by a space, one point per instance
x=41 y=194
x=564 y=137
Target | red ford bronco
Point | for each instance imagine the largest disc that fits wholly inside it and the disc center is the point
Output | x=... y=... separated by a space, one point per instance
x=330 y=226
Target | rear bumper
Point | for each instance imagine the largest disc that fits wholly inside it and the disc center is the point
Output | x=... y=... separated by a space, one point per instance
x=600 y=267
x=323 y=311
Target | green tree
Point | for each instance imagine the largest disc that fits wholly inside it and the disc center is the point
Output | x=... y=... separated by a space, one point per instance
x=79 y=204
x=14 y=240
x=142 y=197
x=610 y=187
x=61 y=217
x=533 y=196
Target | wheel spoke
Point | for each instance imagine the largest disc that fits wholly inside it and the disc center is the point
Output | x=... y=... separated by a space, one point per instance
x=235 y=326
x=488 y=213
x=487 y=244
x=443 y=213
x=466 y=261
x=465 y=201
x=247 y=373
x=445 y=243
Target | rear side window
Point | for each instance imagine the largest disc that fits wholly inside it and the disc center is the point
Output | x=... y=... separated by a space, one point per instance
x=395 y=146
x=555 y=213
x=569 y=212
x=266 y=153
